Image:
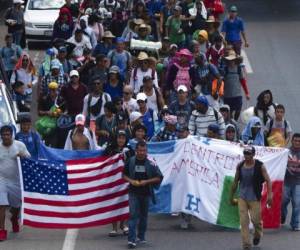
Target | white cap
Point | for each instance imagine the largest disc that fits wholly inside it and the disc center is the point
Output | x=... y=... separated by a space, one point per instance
x=80 y=120
x=134 y=116
x=183 y=88
x=18 y=1
x=141 y=97
x=74 y=73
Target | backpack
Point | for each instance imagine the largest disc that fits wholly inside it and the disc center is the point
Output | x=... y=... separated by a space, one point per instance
x=182 y=77
x=96 y=108
x=271 y=125
x=239 y=71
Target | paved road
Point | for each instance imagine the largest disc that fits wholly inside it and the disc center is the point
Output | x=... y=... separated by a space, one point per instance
x=274 y=33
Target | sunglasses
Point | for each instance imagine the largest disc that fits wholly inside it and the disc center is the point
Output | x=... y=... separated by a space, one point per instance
x=247 y=153
x=140 y=101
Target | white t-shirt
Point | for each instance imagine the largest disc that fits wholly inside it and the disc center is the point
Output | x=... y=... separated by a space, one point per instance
x=79 y=46
x=137 y=81
x=131 y=105
x=152 y=101
x=9 y=172
x=105 y=98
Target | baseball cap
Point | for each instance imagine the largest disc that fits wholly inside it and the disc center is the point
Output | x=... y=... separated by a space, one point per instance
x=120 y=40
x=249 y=150
x=114 y=69
x=53 y=85
x=62 y=49
x=80 y=120
x=121 y=117
x=55 y=64
x=134 y=116
x=121 y=132
x=225 y=107
x=173 y=45
x=141 y=97
x=214 y=128
x=74 y=73
x=202 y=99
x=233 y=8
x=182 y=88
x=147 y=78
x=177 y=7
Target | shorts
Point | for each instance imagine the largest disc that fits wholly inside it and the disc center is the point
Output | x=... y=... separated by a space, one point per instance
x=235 y=103
x=10 y=195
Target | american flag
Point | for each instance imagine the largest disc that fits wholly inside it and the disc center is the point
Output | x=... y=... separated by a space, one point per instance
x=75 y=193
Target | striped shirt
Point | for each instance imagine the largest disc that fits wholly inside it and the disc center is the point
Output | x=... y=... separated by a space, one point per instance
x=199 y=122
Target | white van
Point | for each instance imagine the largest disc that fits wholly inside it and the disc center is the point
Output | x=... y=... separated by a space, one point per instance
x=40 y=16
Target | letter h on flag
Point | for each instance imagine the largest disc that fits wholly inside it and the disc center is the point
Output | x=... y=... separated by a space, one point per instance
x=75 y=193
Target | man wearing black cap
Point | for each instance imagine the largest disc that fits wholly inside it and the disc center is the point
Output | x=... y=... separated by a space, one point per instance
x=30 y=138
x=250 y=176
x=203 y=116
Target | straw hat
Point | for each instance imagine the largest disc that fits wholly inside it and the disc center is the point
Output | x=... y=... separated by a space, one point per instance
x=143 y=26
x=211 y=19
x=142 y=56
x=108 y=34
x=231 y=55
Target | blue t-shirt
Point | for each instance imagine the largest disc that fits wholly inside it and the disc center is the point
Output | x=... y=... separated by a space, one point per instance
x=9 y=55
x=114 y=91
x=233 y=29
x=148 y=121
x=32 y=142
x=120 y=59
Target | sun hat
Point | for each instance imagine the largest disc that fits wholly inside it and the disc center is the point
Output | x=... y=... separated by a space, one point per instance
x=108 y=34
x=186 y=53
x=142 y=56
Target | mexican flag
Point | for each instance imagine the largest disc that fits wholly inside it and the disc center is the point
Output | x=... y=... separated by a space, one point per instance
x=198 y=174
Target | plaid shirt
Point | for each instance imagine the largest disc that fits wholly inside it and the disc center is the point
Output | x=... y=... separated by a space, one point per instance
x=61 y=80
x=165 y=135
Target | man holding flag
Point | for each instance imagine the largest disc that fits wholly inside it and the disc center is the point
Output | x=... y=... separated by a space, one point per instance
x=250 y=176
x=10 y=191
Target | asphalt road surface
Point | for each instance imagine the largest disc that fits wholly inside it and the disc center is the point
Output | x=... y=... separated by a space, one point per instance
x=273 y=29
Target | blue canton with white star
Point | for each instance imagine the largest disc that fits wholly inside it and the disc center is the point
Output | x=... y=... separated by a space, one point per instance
x=45 y=177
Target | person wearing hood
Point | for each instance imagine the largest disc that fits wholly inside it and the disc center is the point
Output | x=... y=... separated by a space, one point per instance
x=24 y=72
x=265 y=107
x=253 y=132
x=231 y=133
x=63 y=26
x=81 y=138
x=87 y=30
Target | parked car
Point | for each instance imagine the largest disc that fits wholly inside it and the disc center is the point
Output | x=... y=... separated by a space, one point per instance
x=39 y=17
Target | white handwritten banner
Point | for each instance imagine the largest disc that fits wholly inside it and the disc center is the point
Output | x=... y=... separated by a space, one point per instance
x=198 y=175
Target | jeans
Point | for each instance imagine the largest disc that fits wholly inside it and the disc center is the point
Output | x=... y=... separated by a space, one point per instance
x=17 y=36
x=138 y=209
x=291 y=194
x=252 y=208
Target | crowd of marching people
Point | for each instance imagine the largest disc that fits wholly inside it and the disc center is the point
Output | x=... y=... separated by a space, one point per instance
x=122 y=71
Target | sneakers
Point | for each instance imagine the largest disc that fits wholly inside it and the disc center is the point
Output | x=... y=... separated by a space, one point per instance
x=141 y=241
x=15 y=225
x=113 y=233
x=125 y=230
x=296 y=229
x=256 y=241
x=131 y=245
x=3 y=235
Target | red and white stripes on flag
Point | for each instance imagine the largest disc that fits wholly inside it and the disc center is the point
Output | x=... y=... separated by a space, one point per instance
x=96 y=195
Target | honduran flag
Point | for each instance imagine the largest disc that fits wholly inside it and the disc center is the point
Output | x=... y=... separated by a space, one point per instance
x=198 y=175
